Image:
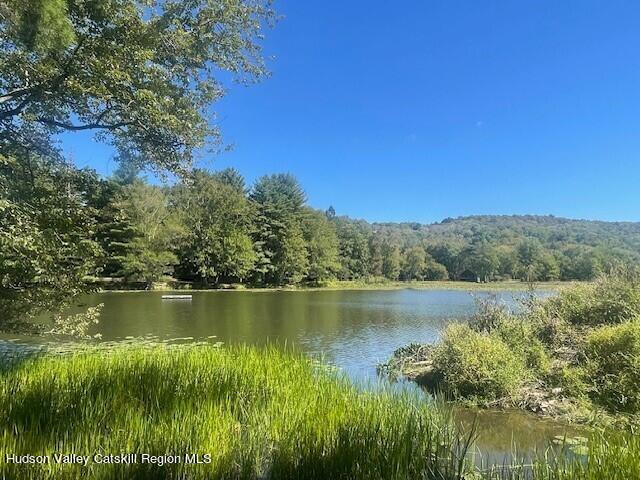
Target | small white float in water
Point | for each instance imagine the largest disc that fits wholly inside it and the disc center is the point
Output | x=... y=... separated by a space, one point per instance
x=176 y=297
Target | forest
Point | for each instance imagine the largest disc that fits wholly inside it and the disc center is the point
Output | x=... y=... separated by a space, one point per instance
x=212 y=229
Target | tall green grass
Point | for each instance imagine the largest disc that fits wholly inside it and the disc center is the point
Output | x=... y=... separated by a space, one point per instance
x=605 y=456
x=259 y=413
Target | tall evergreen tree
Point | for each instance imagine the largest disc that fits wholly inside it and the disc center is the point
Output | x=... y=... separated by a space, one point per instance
x=282 y=249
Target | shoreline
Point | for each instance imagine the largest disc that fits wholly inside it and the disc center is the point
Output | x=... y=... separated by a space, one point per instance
x=347 y=285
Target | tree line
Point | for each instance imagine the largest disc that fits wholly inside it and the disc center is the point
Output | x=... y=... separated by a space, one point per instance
x=210 y=228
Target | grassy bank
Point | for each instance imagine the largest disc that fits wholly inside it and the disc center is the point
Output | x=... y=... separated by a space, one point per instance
x=258 y=413
x=575 y=355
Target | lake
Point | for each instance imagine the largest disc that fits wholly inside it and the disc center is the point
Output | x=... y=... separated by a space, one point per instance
x=354 y=330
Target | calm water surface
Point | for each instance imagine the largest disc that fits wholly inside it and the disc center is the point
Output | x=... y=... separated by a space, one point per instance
x=354 y=330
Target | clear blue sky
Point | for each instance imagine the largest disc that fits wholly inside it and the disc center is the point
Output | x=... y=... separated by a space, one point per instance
x=419 y=110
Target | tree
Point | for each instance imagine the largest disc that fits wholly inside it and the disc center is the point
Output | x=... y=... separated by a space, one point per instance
x=414 y=263
x=218 y=221
x=354 y=248
x=46 y=245
x=157 y=229
x=546 y=267
x=282 y=250
x=507 y=260
x=481 y=258
x=391 y=261
x=580 y=263
x=322 y=246
x=142 y=77
x=448 y=254
x=529 y=252
x=113 y=231
x=376 y=258
x=435 y=270
x=232 y=178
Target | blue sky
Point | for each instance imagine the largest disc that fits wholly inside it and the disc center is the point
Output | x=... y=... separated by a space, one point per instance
x=420 y=110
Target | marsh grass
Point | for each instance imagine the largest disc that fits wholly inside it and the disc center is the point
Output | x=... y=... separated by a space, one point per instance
x=606 y=455
x=260 y=413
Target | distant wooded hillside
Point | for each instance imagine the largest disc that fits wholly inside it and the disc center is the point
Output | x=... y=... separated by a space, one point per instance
x=519 y=246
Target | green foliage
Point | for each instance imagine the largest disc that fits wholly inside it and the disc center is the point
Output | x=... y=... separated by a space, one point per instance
x=113 y=231
x=573 y=380
x=354 y=248
x=517 y=332
x=564 y=355
x=150 y=254
x=414 y=263
x=435 y=271
x=282 y=254
x=258 y=413
x=520 y=336
x=43 y=25
x=142 y=77
x=613 y=364
x=218 y=222
x=322 y=246
x=610 y=299
x=46 y=248
x=391 y=261
x=77 y=326
x=481 y=258
x=477 y=365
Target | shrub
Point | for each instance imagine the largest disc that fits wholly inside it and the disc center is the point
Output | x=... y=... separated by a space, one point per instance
x=613 y=363
x=489 y=314
x=516 y=331
x=473 y=364
x=520 y=336
x=573 y=381
x=611 y=299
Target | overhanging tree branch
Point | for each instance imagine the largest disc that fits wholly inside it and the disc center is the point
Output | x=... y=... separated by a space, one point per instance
x=87 y=126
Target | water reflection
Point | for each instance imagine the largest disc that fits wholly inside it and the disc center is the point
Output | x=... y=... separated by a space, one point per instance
x=352 y=329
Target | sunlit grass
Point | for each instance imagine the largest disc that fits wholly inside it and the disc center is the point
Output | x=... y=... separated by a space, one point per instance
x=259 y=413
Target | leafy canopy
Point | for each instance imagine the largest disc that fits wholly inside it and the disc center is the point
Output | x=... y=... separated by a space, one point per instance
x=141 y=73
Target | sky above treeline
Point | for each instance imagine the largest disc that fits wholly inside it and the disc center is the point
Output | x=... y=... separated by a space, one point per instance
x=420 y=110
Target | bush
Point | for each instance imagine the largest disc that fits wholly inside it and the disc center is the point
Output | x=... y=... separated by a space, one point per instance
x=613 y=363
x=490 y=312
x=517 y=332
x=520 y=336
x=611 y=299
x=573 y=381
x=477 y=365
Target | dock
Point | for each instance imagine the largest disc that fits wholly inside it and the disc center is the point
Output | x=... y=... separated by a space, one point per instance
x=176 y=297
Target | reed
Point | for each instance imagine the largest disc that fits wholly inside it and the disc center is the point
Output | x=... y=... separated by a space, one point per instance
x=258 y=413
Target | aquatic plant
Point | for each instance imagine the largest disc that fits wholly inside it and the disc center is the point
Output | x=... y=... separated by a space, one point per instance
x=257 y=413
